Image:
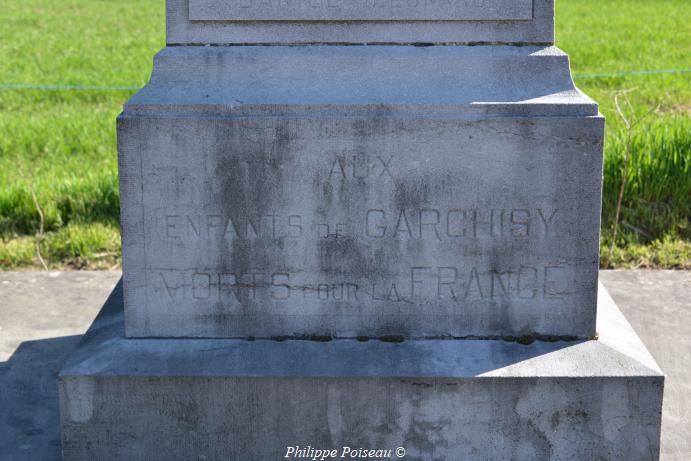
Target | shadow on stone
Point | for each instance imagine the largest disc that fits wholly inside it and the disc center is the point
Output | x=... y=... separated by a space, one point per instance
x=29 y=414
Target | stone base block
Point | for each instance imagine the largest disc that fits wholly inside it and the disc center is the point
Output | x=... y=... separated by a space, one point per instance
x=428 y=192
x=218 y=399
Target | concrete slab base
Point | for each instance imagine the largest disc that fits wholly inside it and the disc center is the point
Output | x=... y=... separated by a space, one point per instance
x=168 y=399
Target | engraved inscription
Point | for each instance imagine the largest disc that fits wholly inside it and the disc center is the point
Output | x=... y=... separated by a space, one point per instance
x=361 y=167
x=360 y=10
x=417 y=285
x=436 y=224
x=432 y=224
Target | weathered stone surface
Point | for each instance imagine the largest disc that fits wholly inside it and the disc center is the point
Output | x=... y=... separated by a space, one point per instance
x=150 y=399
x=280 y=201
x=360 y=21
x=360 y=10
x=283 y=208
x=441 y=81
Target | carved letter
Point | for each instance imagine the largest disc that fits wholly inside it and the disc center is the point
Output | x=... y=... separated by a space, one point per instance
x=550 y=290
x=474 y=277
x=171 y=226
x=546 y=221
x=201 y=286
x=295 y=223
x=414 y=281
x=433 y=223
x=523 y=286
x=461 y=219
x=496 y=280
x=338 y=162
x=520 y=223
x=403 y=220
x=376 y=232
x=385 y=165
x=449 y=280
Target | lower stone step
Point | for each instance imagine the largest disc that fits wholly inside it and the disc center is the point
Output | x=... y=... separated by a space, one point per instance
x=219 y=399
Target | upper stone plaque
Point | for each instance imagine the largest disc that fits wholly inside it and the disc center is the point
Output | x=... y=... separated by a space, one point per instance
x=360 y=21
x=360 y=10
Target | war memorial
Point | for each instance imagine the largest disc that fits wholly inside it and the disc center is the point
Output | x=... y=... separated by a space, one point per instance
x=366 y=228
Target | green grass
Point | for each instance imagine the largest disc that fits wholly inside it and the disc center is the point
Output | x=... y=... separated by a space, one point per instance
x=632 y=35
x=60 y=144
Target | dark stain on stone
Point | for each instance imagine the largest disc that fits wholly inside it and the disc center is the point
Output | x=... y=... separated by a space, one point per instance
x=526 y=340
x=248 y=165
x=392 y=338
x=320 y=338
x=412 y=194
x=315 y=338
x=571 y=416
x=427 y=437
x=554 y=338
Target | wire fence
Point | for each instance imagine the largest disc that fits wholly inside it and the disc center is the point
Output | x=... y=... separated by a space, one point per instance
x=636 y=72
x=28 y=86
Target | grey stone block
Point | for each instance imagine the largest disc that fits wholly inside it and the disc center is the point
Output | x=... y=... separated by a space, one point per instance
x=441 y=81
x=169 y=399
x=360 y=10
x=340 y=197
x=360 y=21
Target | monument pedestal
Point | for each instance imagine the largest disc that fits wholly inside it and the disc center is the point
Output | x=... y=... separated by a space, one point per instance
x=168 y=399
x=304 y=182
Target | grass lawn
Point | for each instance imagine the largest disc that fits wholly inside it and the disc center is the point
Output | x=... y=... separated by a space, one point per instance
x=57 y=147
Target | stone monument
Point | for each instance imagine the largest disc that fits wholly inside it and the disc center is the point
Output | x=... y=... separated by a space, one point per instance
x=354 y=225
